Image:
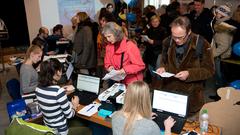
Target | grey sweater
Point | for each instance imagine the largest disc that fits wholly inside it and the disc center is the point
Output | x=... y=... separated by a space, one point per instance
x=140 y=127
x=28 y=79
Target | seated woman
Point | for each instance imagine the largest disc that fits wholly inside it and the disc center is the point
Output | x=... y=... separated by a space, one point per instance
x=53 y=101
x=135 y=116
x=29 y=75
x=121 y=54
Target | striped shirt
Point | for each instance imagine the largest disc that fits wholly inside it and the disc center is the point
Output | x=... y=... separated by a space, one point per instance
x=55 y=107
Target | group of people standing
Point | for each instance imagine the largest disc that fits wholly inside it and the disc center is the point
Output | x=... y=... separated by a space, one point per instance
x=183 y=49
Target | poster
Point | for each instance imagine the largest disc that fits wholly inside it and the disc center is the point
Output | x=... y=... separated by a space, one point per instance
x=68 y=8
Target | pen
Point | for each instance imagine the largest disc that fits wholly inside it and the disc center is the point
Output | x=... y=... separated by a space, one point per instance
x=90 y=108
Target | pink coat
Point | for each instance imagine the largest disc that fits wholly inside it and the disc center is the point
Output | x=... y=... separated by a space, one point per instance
x=133 y=64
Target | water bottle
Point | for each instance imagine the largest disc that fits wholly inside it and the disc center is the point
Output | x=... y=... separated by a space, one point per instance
x=204 y=121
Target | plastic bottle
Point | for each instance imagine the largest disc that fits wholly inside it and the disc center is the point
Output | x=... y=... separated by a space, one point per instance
x=204 y=122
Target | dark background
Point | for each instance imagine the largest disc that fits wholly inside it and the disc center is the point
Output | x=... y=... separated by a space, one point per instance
x=12 y=12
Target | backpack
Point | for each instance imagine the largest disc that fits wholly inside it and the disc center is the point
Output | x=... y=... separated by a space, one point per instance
x=198 y=52
x=20 y=127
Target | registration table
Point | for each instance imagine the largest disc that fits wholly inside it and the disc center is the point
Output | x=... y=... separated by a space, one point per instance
x=189 y=126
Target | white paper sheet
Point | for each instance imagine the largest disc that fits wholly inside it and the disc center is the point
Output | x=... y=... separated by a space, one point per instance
x=69 y=71
x=164 y=74
x=90 y=109
x=114 y=76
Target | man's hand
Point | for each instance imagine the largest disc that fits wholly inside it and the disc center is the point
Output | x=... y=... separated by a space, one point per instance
x=183 y=75
x=161 y=70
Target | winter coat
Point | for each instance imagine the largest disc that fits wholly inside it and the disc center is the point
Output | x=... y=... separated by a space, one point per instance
x=84 y=48
x=201 y=24
x=199 y=68
x=223 y=39
x=153 y=50
x=132 y=64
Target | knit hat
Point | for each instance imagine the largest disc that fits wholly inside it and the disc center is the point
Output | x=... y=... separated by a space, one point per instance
x=224 y=10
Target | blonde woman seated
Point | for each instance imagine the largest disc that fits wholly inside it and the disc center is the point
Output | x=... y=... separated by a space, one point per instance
x=135 y=118
x=29 y=75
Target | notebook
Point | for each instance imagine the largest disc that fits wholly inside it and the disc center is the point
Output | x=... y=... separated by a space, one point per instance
x=167 y=104
x=87 y=88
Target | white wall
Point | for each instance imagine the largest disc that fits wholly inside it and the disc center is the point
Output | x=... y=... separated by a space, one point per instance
x=45 y=13
x=33 y=17
x=49 y=13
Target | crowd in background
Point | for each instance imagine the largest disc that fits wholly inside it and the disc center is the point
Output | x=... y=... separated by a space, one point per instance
x=188 y=40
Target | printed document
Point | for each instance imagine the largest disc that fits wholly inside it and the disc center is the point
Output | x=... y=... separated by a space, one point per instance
x=90 y=109
x=164 y=74
x=114 y=76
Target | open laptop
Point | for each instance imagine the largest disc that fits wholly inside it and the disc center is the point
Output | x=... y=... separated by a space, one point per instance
x=167 y=104
x=87 y=88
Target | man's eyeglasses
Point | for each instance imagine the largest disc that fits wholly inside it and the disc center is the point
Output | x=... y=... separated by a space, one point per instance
x=179 y=38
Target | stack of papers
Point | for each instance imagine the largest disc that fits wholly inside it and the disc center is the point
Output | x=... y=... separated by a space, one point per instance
x=114 y=76
x=90 y=109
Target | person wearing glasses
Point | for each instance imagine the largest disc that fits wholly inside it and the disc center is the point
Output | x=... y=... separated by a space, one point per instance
x=189 y=57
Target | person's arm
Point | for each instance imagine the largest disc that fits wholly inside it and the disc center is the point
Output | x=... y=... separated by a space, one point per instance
x=168 y=124
x=25 y=76
x=206 y=68
x=66 y=106
x=107 y=59
x=223 y=44
x=136 y=63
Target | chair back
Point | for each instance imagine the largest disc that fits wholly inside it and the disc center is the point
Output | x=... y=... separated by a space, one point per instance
x=13 y=87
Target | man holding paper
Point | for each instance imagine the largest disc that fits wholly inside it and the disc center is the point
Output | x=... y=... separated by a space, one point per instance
x=189 y=57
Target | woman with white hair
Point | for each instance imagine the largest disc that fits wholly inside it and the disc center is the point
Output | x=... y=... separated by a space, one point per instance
x=122 y=55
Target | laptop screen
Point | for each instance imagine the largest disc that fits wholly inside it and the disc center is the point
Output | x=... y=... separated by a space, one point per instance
x=170 y=102
x=88 y=83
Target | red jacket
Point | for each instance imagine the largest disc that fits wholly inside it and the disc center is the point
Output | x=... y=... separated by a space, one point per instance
x=133 y=64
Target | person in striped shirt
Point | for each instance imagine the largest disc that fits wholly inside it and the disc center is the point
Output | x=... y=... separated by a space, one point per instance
x=53 y=100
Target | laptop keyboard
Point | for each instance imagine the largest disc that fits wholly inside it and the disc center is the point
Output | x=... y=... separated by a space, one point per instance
x=178 y=126
x=86 y=98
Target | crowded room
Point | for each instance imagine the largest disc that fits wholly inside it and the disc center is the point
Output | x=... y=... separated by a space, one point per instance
x=119 y=67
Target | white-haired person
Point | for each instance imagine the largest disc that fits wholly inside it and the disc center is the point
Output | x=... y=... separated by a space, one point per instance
x=135 y=117
x=121 y=54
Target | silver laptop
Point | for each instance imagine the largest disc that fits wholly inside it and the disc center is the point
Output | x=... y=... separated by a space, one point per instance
x=167 y=104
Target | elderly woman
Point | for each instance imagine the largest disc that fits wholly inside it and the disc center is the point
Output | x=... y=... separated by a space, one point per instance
x=121 y=54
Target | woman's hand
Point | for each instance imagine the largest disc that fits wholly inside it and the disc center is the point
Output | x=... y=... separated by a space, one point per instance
x=121 y=72
x=153 y=115
x=168 y=123
x=69 y=89
x=75 y=102
x=110 y=68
